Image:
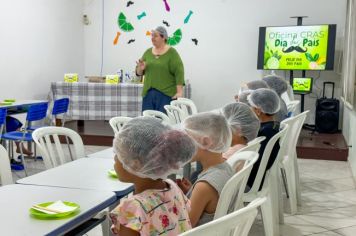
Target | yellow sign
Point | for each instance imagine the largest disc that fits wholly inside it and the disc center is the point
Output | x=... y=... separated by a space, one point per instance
x=71 y=78
x=112 y=79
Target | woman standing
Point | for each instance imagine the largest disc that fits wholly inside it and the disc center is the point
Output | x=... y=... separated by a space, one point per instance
x=164 y=73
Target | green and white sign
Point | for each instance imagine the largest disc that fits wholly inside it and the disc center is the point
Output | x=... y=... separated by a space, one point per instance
x=296 y=48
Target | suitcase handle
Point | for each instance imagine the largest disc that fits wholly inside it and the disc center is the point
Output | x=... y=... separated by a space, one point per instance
x=333 y=86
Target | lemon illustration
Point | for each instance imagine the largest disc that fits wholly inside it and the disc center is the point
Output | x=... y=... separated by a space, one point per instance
x=175 y=39
x=321 y=60
x=272 y=63
x=123 y=24
x=266 y=56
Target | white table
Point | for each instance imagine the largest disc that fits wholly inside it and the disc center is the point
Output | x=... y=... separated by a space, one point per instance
x=105 y=154
x=84 y=173
x=17 y=199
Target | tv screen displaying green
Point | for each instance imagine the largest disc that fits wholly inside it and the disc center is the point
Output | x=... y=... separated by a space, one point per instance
x=309 y=47
x=302 y=85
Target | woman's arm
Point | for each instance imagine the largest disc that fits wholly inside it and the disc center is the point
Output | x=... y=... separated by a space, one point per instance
x=202 y=195
x=179 y=93
x=123 y=231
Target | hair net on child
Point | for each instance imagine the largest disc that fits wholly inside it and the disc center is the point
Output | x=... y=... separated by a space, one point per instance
x=256 y=84
x=242 y=120
x=276 y=83
x=210 y=131
x=243 y=96
x=265 y=99
x=149 y=149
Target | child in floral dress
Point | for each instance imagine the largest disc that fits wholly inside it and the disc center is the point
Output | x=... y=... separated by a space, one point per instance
x=146 y=153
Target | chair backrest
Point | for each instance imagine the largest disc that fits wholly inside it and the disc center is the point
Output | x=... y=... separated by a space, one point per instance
x=187 y=105
x=5 y=169
x=295 y=124
x=159 y=115
x=60 y=106
x=118 y=122
x=231 y=195
x=265 y=157
x=37 y=112
x=238 y=222
x=49 y=144
x=3 y=112
x=253 y=145
x=174 y=113
x=292 y=107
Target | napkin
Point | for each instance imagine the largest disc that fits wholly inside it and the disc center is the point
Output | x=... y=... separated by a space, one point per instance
x=57 y=206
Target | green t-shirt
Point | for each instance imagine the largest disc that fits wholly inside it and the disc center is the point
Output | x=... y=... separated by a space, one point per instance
x=164 y=72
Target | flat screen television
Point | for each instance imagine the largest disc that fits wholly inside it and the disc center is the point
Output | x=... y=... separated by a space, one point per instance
x=310 y=47
x=302 y=85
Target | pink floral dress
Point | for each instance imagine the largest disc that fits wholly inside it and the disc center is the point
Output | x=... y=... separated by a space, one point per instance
x=154 y=212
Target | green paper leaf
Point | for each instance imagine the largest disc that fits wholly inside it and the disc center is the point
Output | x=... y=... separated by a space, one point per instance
x=316 y=57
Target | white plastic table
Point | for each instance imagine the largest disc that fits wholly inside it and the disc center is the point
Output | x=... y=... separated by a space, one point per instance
x=17 y=199
x=84 y=173
x=105 y=154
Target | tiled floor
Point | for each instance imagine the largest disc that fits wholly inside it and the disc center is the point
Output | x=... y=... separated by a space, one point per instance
x=328 y=194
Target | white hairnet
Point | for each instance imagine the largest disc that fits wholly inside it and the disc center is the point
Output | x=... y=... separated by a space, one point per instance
x=149 y=149
x=256 y=84
x=243 y=96
x=265 y=99
x=276 y=83
x=242 y=120
x=210 y=131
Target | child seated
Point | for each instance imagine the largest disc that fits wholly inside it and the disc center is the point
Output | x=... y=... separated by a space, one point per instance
x=244 y=126
x=146 y=153
x=213 y=137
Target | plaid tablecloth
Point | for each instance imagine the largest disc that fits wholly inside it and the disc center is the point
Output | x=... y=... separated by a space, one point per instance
x=100 y=101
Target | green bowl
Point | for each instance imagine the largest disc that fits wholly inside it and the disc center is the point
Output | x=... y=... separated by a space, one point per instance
x=112 y=174
x=44 y=216
x=9 y=100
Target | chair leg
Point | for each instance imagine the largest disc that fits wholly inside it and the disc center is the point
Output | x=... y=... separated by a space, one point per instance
x=267 y=217
x=23 y=159
x=284 y=177
x=297 y=181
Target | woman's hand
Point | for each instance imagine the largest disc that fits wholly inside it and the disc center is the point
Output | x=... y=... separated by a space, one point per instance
x=184 y=184
x=179 y=93
x=140 y=66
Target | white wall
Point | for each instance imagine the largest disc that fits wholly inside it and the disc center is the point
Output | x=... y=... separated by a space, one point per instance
x=40 y=40
x=227 y=31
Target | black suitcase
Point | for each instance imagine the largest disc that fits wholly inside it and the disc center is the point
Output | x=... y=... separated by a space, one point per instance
x=327 y=112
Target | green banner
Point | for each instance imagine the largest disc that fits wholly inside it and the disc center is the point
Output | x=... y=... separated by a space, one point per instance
x=296 y=47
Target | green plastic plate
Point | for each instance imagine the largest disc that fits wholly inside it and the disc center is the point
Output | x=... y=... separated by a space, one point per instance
x=112 y=173
x=44 y=216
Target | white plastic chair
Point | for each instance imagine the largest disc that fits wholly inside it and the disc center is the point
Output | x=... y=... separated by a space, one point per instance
x=5 y=169
x=118 y=122
x=289 y=164
x=270 y=210
x=174 y=113
x=187 y=105
x=253 y=145
x=292 y=107
x=231 y=195
x=238 y=222
x=51 y=149
x=159 y=115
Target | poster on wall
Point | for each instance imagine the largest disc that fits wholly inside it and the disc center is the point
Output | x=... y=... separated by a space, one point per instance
x=297 y=47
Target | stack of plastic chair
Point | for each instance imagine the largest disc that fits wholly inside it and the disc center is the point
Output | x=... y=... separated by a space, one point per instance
x=35 y=112
x=159 y=115
x=186 y=105
x=289 y=165
x=175 y=114
x=5 y=169
x=118 y=122
x=49 y=144
x=270 y=210
x=237 y=223
x=231 y=195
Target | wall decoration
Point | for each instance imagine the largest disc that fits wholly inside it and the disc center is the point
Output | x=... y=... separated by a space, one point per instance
x=187 y=18
x=123 y=24
x=166 y=5
x=165 y=23
x=143 y=14
x=129 y=3
x=148 y=33
x=195 y=41
x=116 y=38
x=131 y=41
x=175 y=39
